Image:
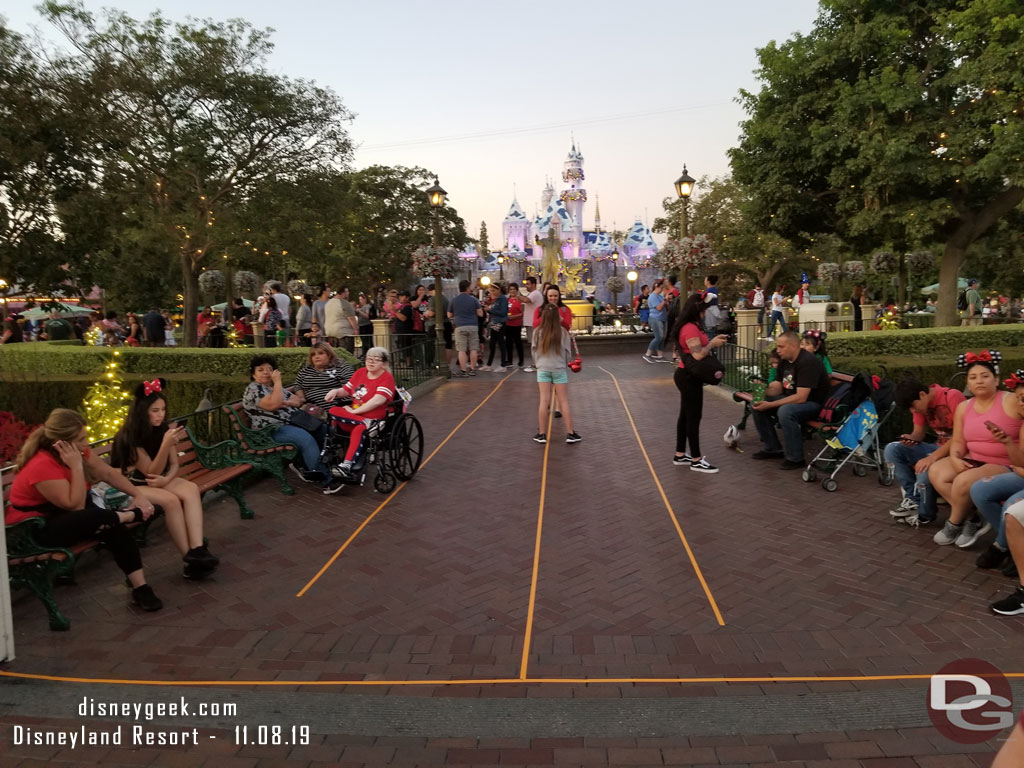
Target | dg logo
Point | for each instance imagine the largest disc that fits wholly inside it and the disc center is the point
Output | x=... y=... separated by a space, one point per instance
x=969 y=701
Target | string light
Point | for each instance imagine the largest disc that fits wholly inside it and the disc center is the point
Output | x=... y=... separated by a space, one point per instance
x=106 y=402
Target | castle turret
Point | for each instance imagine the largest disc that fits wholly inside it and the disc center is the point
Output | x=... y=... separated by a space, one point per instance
x=515 y=228
x=574 y=196
x=546 y=195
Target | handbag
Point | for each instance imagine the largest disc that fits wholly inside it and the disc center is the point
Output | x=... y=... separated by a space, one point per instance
x=707 y=370
x=304 y=420
x=576 y=364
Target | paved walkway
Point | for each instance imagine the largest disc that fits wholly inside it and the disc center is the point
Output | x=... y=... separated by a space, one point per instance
x=553 y=604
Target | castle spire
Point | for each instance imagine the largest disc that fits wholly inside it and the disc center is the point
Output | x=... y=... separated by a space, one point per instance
x=597 y=214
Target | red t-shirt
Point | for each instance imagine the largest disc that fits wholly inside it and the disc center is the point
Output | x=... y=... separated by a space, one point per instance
x=690 y=331
x=43 y=466
x=515 y=307
x=563 y=312
x=363 y=388
x=941 y=411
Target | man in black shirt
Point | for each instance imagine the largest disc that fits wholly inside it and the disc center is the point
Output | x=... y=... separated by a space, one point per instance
x=805 y=388
x=153 y=324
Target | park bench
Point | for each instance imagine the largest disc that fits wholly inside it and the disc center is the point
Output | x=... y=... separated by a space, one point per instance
x=36 y=567
x=747 y=398
x=258 y=447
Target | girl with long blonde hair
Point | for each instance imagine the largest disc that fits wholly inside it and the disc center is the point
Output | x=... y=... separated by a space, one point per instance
x=552 y=350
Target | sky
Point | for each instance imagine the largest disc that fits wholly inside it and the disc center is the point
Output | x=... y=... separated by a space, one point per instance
x=489 y=95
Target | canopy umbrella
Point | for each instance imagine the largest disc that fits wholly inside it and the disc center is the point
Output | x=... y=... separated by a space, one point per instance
x=961 y=284
x=224 y=305
x=37 y=313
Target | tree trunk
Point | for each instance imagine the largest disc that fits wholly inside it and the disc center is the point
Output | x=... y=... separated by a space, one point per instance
x=766 y=277
x=946 y=312
x=901 y=295
x=190 y=300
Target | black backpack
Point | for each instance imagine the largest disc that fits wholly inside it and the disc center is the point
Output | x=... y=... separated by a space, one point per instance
x=845 y=397
x=961 y=301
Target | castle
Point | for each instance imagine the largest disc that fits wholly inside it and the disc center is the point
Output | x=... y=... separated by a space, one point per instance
x=562 y=215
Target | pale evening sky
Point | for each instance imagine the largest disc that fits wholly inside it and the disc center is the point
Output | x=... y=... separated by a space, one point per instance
x=486 y=94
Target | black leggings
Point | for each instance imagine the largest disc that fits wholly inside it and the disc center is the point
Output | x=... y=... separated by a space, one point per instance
x=63 y=529
x=691 y=408
x=498 y=339
x=514 y=338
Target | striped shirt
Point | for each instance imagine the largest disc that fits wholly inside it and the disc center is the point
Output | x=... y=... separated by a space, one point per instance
x=316 y=384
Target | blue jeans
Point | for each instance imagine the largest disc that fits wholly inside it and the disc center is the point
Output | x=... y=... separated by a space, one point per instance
x=658 y=326
x=992 y=495
x=308 y=445
x=791 y=418
x=776 y=317
x=902 y=459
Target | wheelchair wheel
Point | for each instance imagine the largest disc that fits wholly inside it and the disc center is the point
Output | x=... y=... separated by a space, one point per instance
x=384 y=482
x=406 y=447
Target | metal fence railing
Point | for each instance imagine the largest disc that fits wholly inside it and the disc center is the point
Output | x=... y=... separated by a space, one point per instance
x=741 y=363
x=413 y=359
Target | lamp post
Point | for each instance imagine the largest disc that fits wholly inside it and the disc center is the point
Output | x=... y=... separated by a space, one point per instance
x=501 y=268
x=684 y=188
x=3 y=289
x=615 y=273
x=631 y=276
x=436 y=195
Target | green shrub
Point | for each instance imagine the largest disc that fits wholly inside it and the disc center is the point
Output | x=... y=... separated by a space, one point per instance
x=45 y=361
x=923 y=341
x=63 y=343
x=929 y=369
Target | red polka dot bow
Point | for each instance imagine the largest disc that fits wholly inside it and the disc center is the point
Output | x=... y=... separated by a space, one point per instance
x=149 y=387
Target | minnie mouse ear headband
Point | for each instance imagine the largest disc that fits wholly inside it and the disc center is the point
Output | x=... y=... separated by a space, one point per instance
x=147 y=388
x=1016 y=379
x=814 y=333
x=988 y=357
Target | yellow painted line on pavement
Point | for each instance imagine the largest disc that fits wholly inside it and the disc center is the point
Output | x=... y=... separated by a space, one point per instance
x=486 y=681
x=528 y=636
x=397 y=490
x=668 y=505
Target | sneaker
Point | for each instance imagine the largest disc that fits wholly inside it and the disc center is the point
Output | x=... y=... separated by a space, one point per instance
x=342 y=470
x=664 y=360
x=648 y=358
x=682 y=461
x=530 y=369
x=764 y=455
x=1010 y=606
x=499 y=369
x=303 y=474
x=558 y=414
x=471 y=372
x=1010 y=569
x=540 y=437
x=906 y=508
x=197 y=572
x=949 y=534
x=971 y=533
x=993 y=557
x=460 y=375
x=145 y=598
x=201 y=556
x=486 y=368
x=334 y=485
x=573 y=437
x=915 y=521
x=787 y=464
x=702 y=465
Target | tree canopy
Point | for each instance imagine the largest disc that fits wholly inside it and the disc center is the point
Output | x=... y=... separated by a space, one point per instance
x=890 y=123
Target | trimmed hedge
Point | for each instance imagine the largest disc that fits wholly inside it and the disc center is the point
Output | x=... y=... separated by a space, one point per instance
x=924 y=341
x=929 y=369
x=46 y=361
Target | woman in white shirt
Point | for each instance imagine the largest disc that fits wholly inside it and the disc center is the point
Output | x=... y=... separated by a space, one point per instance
x=777 y=313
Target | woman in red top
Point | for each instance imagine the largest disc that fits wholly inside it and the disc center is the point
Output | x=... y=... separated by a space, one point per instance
x=553 y=295
x=514 y=324
x=693 y=341
x=51 y=484
x=371 y=389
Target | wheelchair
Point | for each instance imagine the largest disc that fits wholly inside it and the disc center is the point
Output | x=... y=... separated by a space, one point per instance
x=394 y=444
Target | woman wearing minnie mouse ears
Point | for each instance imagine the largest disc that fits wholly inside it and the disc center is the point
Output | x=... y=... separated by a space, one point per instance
x=813 y=341
x=144 y=450
x=975 y=453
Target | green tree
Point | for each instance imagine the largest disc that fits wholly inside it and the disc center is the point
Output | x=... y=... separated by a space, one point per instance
x=482 y=247
x=898 y=123
x=189 y=122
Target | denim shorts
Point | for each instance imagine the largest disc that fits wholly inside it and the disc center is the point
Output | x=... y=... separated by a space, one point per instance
x=552 y=377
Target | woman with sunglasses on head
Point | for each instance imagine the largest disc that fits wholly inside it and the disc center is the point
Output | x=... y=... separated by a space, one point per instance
x=145 y=451
x=371 y=388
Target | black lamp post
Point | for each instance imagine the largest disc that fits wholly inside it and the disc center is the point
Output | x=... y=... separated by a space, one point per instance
x=501 y=268
x=684 y=188
x=437 y=196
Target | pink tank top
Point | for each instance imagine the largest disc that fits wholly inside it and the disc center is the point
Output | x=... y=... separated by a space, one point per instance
x=980 y=444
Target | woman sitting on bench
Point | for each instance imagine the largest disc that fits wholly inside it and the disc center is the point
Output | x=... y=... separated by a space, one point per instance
x=371 y=388
x=51 y=483
x=144 y=450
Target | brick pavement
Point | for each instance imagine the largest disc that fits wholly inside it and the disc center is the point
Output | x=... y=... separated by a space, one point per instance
x=437 y=586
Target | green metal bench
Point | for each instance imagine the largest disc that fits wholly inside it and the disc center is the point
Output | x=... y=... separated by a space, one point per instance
x=259 y=448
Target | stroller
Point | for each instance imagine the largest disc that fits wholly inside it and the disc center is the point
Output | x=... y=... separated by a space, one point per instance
x=852 y=436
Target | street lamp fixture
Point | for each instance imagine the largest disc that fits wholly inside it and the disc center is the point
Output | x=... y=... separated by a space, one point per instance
x=436 y=195
x=501 y=268
x=615 y=262
x=684 y=188
x=632 y=277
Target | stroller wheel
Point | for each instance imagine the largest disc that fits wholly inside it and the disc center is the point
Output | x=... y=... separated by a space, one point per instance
x=860 y=470
x=885 y=478
x=829 y=484
x=809 y=475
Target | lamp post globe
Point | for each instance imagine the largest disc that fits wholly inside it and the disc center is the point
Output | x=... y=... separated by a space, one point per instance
x=684 y=188
x=632 y=277
x=437 y=196
x=501 y=268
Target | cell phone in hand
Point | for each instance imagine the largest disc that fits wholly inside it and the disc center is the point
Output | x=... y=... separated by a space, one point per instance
x=910 y=440
x=973 y=463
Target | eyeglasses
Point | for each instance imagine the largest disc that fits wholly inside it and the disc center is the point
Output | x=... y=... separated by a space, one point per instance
x=374 y=357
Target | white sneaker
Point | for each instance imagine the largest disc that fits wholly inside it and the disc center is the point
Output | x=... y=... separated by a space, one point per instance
x=529 y=369
x=486 y=368
x=971 y=533
x=703 y=466
x=499 y=369
x=906 y=508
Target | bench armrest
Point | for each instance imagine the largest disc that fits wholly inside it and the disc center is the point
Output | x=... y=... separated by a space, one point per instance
x=21 y=540
x=250 y=439
x=219 y=455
